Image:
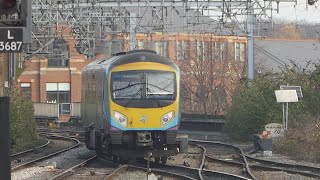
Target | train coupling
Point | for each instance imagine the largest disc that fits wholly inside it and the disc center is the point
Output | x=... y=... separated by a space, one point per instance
x=144 y=139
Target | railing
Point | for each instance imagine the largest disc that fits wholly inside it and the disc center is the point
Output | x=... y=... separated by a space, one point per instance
x=46 y=110
x=54 y=110
x=75 y=109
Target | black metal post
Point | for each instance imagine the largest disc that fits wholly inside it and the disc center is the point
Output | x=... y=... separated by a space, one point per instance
x=5 y=166
x=148 y=165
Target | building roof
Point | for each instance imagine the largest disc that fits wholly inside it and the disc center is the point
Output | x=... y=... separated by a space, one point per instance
x=276 y=55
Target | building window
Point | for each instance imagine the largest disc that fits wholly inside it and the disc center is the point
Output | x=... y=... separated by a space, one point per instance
x=60 y=55
x=206 y=50
x=218 y=50
x=161 y=47
x=57 y=60
x=239 y=51
x=140 y=44
x=58 y=92
x=182 y=50
x=26 y=88
x=178 y=49
x=186 y=50
x=199 y=50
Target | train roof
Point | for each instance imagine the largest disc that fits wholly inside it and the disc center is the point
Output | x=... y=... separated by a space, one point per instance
x=134 y=56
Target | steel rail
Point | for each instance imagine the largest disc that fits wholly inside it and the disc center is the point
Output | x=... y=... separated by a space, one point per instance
x=246 y=164
x=30 y=150
x=162 y=171
x=291 y=168
x=203 y=158
x=225 y=161
x=156 y=168
x=69 y=171
x=162 y=168
x=114 y=173
x=80 y=138
x=14 y=169
x=194 y=172
x=309 y=171
x=40 y=130
x=186 y=171
x=217 y=174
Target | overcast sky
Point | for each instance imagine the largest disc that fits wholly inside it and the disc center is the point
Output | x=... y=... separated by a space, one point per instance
x=298 y=12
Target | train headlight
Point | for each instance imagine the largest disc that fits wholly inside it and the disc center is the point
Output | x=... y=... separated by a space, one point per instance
x=167 y=118
x=122 y=119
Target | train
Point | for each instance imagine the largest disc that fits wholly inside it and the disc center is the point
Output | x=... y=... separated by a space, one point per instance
x=131 y=106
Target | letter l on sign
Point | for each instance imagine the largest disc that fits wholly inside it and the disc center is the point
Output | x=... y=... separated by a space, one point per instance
x=9 y=35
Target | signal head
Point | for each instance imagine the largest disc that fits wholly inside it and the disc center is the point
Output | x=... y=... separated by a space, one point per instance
x=311 y=2
x=8 y=6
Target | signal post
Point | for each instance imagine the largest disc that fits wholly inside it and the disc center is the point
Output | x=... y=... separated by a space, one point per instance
x=15 y=31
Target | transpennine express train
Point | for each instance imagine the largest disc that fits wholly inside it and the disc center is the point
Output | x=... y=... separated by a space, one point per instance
x=131 y=106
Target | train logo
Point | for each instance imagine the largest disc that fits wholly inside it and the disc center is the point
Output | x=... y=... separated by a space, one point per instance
x=143 y=118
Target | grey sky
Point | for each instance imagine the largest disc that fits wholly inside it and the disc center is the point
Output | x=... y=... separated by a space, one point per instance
x=292 y=12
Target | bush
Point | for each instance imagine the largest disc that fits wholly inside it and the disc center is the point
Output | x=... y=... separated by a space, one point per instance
x=252 y=107
x=255 y=106
x=302 y=141
x=22 y=122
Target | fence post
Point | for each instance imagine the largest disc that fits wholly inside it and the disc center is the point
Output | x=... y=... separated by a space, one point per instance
x=5 y=166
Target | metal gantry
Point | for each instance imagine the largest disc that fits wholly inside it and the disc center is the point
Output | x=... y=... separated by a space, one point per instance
x=92 y=22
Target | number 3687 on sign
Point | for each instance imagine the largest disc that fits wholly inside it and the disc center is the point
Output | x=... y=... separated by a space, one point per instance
x=10 y=46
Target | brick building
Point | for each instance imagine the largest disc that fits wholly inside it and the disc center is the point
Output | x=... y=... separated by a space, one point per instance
x=56 y=79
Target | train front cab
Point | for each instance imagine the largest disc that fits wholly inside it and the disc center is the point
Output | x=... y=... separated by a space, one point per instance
x=144 y=109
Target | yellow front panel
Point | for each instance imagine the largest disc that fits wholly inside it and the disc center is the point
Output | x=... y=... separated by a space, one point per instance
x=152 y=115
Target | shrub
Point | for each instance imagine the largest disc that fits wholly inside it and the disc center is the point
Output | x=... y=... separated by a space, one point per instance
x=252 y=107
x=22 y=122
x=302 y=141
x=255 y=106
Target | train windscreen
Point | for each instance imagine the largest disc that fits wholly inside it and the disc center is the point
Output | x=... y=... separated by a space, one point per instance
x=151 y=88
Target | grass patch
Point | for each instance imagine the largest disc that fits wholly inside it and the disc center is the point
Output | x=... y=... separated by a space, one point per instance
x=30 y=145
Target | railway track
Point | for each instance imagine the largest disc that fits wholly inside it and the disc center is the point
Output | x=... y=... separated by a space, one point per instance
x=63 y=132
x=192 y=172
x=264 y=165
x=242 y=161
x=71 y=171
x=37 y=159
x=29 y=150
x=117 y=170
x=260 y=164
x=207 y=174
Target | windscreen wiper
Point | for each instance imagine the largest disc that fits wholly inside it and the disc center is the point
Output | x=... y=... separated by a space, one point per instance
x=128 y=86
x=132 y=97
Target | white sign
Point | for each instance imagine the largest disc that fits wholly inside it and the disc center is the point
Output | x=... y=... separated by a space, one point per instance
x=286 y=96
x=276 y=129
x=297 y=88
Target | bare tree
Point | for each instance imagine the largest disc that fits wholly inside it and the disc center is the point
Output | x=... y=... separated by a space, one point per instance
x=289 y=31
x=209 y=74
